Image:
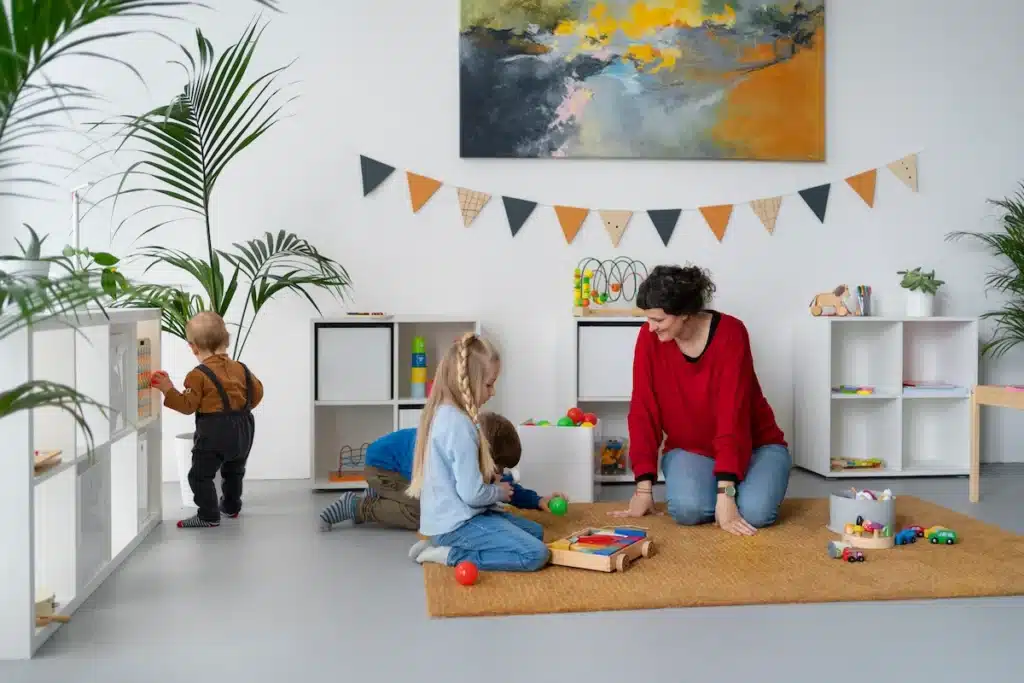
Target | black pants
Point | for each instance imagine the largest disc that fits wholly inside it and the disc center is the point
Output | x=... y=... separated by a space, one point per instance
x=221 y=443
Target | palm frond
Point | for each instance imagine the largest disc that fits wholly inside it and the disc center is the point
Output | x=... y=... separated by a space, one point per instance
x=28 y=300
x=177 y=306
x=1007 y=279
x=37 y=394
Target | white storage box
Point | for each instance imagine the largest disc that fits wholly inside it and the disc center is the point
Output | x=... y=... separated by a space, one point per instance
x=559 y=459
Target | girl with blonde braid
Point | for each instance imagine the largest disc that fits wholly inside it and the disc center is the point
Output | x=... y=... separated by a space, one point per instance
x=455 y=477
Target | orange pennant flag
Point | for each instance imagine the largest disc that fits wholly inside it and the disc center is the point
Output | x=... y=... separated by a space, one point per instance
x=571 y=219
x=906 y=170
x=864 y=185
x=615 y=223
x=768 y=211
x=717 y=218
x=421 y=189
x=471 y=203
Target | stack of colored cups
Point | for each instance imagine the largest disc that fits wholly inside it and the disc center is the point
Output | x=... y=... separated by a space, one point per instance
x=418 y=380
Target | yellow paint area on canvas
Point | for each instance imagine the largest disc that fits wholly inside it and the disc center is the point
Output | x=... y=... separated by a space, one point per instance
x=642 y=19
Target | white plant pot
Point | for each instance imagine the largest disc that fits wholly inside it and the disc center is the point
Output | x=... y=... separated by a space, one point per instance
x=26 y=268
x=920 y=304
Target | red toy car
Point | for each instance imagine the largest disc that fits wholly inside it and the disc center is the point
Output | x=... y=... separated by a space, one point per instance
x=918 y=531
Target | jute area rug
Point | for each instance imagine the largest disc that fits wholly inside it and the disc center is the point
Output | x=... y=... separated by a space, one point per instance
x=787 y=563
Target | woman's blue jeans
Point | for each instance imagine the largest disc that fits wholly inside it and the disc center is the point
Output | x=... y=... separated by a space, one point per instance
x=497 y=542
x=692 y=490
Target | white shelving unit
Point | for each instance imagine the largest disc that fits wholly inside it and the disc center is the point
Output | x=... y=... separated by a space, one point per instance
x=64 y=530
x=915 y=433
x=361 y=384
x=603 y=380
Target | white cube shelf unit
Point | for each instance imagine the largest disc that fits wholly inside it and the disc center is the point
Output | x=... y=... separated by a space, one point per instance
x=65 y=528
x=603 y=381
x=361 y=371
x=915 y=432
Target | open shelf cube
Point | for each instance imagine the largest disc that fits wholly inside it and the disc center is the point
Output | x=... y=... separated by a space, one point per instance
x=917 y=432
x=362 y=390
x=867 y=354
x=55 y=539
x=936 y=434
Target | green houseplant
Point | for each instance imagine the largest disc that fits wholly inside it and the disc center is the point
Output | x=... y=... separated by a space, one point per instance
x=921 y=290
x=31 y=262
x=1007 y=245
x=185 y=148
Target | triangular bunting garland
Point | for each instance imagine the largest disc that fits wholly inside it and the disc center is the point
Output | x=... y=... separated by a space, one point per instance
x=571 y=219
x=615 y=223
x=864 y=185
x=768 y=211
x=717 y=218
x=471 y=203
x=906 y=170
x=517 y=211
x=421 y=189
x=664 y=221
x=817 y=199
x=374 y=173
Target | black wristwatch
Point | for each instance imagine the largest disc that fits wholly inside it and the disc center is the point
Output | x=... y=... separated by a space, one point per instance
x=728 y=488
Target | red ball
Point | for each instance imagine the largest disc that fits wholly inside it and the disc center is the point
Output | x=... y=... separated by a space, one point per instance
x=575 y=414
x=591 y=418
x=466 y=573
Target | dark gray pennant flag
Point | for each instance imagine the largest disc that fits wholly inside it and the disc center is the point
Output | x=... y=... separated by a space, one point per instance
x=517 y=211
x=374 y=173
x=665 y=222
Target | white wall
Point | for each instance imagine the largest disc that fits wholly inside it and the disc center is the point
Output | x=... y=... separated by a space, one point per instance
x=381 y=78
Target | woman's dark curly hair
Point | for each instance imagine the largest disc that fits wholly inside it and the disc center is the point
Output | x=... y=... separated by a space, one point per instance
x=676 y=290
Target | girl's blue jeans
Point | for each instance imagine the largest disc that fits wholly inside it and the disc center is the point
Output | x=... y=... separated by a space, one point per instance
x=691 y=489
x=497 y=541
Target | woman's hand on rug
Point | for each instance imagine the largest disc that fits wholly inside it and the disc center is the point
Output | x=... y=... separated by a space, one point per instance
x=728 y=517
x=642 y=503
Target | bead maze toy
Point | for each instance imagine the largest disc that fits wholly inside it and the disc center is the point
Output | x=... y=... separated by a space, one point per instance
x=351 y=462
x=597 y=283
x=605 y=549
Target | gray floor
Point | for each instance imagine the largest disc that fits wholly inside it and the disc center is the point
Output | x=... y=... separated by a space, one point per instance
x=268 y=598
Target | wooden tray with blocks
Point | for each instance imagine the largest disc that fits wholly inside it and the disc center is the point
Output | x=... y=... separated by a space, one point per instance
x=603 y=549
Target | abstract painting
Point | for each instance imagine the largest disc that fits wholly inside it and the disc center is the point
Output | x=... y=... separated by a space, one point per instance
x=658 y=79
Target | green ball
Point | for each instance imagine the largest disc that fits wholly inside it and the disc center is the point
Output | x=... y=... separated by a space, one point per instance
x=566 y=422
x=558 y=506
x=543 y=423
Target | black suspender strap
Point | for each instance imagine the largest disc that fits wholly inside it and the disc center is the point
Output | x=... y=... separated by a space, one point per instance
x=220 y=387
x=248 y=386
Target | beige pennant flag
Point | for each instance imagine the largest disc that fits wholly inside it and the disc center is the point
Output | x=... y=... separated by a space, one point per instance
x=717 y=218
x=906 y=170
x=768 y=211
x=471 y=203
x=615 y=223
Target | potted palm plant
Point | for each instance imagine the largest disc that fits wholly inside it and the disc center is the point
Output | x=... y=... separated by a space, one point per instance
x=1007 y=245
x=921 y=290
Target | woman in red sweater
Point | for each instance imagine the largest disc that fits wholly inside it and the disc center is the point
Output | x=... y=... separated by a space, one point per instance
x=725 y=458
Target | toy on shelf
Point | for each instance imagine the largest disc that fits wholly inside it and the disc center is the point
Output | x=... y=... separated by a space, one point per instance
x=418 y=375
x=466 y=573
x=840 y=464
x=940 y=534
x=45 y=460
x=350 y=465
x=613 y=456
x=145 y=361
x=853 y=389
x=606 y=549
x=597 y=283
x=839 y=550
x=839 y=302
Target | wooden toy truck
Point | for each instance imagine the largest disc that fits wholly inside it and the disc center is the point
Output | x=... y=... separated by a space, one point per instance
x=604 y=549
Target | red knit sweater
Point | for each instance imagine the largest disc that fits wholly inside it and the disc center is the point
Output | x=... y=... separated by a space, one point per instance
x=712 y=406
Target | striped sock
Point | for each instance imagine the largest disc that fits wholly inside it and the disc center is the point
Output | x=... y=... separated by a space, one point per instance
x=343 y=509
x=194 y=522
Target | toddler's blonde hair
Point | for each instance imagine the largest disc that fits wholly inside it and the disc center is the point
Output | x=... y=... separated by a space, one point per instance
x=208 y=332
x=460 y=380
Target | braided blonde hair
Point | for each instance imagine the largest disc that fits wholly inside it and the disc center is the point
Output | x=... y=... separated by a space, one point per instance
x=460 y=380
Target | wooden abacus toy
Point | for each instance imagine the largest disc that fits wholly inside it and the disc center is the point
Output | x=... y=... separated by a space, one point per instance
x=606 y=549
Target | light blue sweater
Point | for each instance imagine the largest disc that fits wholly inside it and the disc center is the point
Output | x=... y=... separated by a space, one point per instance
x=453 y=488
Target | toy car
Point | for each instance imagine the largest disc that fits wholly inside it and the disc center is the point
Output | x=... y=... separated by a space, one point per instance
x=906 y=536
x=930 y=531
x=916 y=529
x=947 y=536
x=844 y=551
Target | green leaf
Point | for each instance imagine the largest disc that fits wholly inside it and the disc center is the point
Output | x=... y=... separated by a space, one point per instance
x=104 y=259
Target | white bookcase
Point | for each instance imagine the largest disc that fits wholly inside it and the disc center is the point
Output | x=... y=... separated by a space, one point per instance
x=361 y=372
x=65 y=529
x=915 y=433
x=603 y=380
